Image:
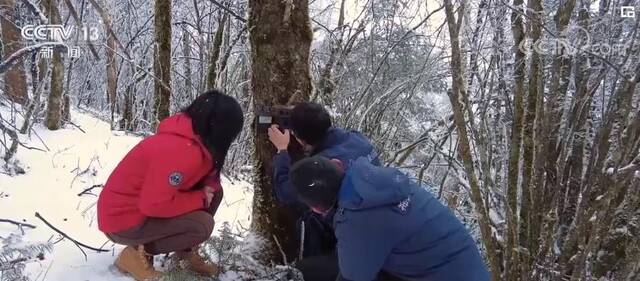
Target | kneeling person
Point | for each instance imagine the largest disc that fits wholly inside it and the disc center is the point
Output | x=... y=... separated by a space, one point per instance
x=385 y=222
x=162 y=196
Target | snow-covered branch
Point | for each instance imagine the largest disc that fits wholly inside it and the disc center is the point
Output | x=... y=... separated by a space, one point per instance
x=15 y=57
x=36 y=11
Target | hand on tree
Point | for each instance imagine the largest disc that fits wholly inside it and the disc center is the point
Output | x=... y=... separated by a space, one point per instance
x=279 y=139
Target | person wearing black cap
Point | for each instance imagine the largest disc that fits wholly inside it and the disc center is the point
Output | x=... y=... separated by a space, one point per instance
x=311 y=126
x=385 y=222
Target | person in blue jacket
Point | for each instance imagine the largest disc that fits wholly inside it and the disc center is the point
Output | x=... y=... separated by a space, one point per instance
x=386 y=222
x=311 y=126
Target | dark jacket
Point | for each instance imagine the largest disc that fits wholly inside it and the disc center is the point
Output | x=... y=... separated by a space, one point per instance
x=340 y=144
x=386 y=221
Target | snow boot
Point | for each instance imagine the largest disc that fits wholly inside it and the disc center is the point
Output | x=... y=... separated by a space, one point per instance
x=137 y=263
x=193 y=261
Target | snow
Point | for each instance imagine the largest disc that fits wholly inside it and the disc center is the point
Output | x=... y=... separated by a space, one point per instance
x=610 y=171
x=53 y=179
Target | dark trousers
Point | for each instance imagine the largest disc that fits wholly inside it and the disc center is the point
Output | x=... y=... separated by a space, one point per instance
x=319 y=238
x=325 y=268
x=165 y=235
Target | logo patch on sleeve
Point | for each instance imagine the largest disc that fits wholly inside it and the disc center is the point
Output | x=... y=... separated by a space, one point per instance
x=175 y=179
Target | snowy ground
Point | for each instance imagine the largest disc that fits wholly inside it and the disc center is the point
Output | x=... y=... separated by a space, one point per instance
x=73 y=162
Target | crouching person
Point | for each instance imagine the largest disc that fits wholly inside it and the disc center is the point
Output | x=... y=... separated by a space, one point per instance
x=162 y=196
x=388 y=227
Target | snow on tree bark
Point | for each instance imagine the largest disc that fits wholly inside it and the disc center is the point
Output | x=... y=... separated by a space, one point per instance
x=162 y=59
x=54 y=103
x=212 y=73
x=512 y=249
x=457 y=97
x=15 y=83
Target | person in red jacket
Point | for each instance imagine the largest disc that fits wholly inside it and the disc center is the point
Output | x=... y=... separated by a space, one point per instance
x=162 y=196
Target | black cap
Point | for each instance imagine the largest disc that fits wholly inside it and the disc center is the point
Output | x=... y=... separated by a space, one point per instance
x=316 y=180
x=310 y=122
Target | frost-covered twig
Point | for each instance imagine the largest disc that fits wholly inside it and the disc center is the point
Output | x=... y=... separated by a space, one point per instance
x=75 y=125
x=35 y=10
x=19 y=224
x=88 y=190
x=284 y=256
x=78 y=244
x=228 y=11
x=9 y=151
x=13 y=58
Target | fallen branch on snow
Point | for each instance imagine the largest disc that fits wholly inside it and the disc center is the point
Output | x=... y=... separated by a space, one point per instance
x=88 y=190
x=19 y=224
x=75 y=125
x=80 y=245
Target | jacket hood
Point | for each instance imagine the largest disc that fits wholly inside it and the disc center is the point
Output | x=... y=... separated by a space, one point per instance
x=368 y=186
x=179 y=124
x=340 y=142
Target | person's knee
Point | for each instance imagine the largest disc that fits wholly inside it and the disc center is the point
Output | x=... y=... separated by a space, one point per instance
x=202 y=225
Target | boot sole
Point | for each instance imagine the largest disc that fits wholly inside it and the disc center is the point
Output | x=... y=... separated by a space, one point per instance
x=122 y=270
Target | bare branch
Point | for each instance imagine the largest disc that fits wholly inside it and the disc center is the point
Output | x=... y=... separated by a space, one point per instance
x=15 y=57
x=88 y=190
x=19 y=224
x=232 y=13
x=78 y=244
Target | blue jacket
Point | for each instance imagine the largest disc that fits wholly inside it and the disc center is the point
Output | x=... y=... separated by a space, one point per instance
x=340 y=144
x=386 y=221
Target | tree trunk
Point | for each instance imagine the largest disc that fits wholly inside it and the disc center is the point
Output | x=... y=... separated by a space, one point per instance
x=326 y=85
x=186 y=52
x=112 y=74
x=212 y=73
x=457 y=96
x=162 y=60
x=528 y=192
x=54 y=105
x=280 y=41
x=15 y=82
x=511 y=251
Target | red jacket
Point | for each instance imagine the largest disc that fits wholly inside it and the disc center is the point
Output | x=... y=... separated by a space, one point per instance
x=157 y=178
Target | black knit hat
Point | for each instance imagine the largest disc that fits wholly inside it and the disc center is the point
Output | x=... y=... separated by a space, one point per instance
x=316 y=180
x=310 y=122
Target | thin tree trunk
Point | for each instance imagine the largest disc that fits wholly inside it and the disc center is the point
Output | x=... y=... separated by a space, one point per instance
x=529 y=205
x=112 y=75
x=596 y=182
x=54 y=104
x=162 y=60
x=15 y=82
x=326 y=85
x=186 y=52
x=574 y=166
x=280 y=41
x=456 y=97
x=512 y=250
x=554 y=109
x=212 y=73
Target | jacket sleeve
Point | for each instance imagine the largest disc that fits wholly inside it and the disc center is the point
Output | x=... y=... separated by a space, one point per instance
x=362 y=249
x=282 y=186
x=165 y=191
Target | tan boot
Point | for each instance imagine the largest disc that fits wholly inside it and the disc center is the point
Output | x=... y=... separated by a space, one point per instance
x=196 y=263
x=134 y=261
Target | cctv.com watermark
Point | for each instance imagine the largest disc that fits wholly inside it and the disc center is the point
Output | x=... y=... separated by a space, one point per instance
x=564 y=46
x=59 y=35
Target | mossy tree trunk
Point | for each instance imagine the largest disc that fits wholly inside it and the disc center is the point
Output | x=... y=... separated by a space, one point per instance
x=280 y=37
x=162 y=59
